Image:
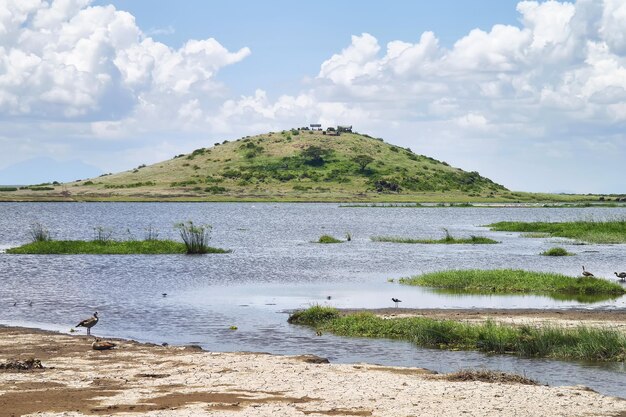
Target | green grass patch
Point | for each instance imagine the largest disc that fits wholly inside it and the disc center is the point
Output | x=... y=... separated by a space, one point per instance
x=514 y=281
x=110 y=247
x=586 y=231
x=328 y=239
x=557 y=251
x=448 y=239
x=581 y=343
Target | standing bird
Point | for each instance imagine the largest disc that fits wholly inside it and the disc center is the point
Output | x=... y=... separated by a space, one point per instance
x=587 y=273
x=89 y=323
x=395 y=300
x=621 y=276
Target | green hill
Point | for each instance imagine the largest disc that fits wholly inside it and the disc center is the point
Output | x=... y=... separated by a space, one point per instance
x=296 y=165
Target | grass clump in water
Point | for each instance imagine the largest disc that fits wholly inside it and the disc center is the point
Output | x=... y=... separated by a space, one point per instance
x=514 y=281
x=581 y=343
x=448 y=239
x=39 y=233
x=586 y=231
x=104 y=244
x=314 y=315
x=557 y=251
x=328 y=239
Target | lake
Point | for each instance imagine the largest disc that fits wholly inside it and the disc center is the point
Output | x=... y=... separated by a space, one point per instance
x=275 y=268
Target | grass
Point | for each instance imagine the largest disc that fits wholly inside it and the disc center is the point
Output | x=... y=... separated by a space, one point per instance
x=581 y=343
x=556 y=251
x=587 y=231
x=514 y=281
x=110 y=247
x=328 y=239
x=448 y=239
x=195 y=237
x=535 y=235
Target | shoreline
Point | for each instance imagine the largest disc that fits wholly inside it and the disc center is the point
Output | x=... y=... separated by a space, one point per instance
x=148 y=379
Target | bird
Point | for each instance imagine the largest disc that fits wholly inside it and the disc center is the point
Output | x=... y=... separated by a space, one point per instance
x=395 y=300
x=329 y=297
x=587 y=273
x=30 y=303
x=102 y=345
x=621 y=276
x=164 y=294
x=89 y=323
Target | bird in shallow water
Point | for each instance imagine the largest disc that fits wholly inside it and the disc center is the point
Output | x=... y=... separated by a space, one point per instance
x=621 y=276
x=587 y=273
x=395 y=300
x=102 y=345
x=89 y=323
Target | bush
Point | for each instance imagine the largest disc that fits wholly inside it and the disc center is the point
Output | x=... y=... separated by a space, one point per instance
x=196 y=238
x=8 y=188
x=39 y=233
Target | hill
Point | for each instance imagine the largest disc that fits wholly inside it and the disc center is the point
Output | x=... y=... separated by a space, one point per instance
x=293 y=165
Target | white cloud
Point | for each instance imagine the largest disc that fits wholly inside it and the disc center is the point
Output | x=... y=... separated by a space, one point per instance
x=66 y=59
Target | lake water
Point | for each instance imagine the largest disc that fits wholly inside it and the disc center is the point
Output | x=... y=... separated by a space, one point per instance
x=275 y=268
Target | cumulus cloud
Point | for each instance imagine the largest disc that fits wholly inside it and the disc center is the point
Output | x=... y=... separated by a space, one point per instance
x=65 y=59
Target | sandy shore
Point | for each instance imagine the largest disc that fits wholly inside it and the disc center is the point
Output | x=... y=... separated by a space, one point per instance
x=142 y=379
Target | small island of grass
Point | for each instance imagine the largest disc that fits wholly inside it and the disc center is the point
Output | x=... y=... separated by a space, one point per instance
x=448 y=239
x=111 y=247
x=586 y=231
x=556 y=251
x=195 y=241
x=580 y=343
x=328 y=239
x=514 y=281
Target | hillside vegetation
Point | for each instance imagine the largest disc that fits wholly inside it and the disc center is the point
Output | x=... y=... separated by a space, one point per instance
x=295 y=165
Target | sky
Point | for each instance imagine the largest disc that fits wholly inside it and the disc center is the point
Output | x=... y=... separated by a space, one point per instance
x=531 y=94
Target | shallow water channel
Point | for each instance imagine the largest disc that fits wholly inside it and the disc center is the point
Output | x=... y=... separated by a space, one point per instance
x=275 y=268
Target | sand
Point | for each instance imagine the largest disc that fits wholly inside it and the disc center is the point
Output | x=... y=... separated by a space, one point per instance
x=142 y=379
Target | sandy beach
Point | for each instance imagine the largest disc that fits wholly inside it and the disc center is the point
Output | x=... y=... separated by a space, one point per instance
x=152 y=380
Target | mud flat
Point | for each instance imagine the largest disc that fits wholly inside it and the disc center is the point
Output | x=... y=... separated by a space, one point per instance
x=144 y=379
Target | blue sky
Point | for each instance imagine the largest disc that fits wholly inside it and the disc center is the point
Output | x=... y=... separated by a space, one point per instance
x=529 y=93
x=290 y=39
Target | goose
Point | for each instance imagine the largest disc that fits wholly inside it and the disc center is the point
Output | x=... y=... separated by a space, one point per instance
x=621 y=276
x=587 y=273
x=395 y=300
x=89 y=323
x=102 y=345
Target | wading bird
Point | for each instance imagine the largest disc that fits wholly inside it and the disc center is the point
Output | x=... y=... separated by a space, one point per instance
x=587 y=273
x=621 y=276
x=89 y=323
x=395 y=300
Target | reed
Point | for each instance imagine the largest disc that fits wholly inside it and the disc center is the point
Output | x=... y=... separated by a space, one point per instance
x=195 y=237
